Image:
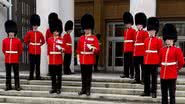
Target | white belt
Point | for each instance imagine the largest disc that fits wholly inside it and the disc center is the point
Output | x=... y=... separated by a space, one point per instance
x=128 y=41
x=34 y=43
x=151 y=51
x=86 y=53
x=11 y=51
x=68 y=44
x=138 y=44
x=168 y=63
x=55 y=53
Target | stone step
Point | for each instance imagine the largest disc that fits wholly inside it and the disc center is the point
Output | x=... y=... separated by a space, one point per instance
x=119 y=91
x=41 y=100
x=180 y=81
x=9 y=103
x=114 y=98
x=94 y=84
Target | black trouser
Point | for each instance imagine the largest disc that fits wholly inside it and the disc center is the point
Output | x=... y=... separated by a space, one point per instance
x=96 y=64
x=8 y=75
x=86 y=75
x=150 y=70
x=67 y=62
x=34 y=62
x=56 y=76
x=168 y=85
x=128 y=64
x=138 y=62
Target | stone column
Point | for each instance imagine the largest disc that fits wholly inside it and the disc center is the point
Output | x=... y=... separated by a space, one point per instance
x=43 y=9
x=66 y=12
x=3 y=34
x=146 y=6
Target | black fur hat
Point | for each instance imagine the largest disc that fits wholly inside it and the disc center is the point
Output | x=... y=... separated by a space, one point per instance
x=153 y=24
x=140 y=18
x=35 y=20
x=87 y=22
x=128 y=18
x=69 y=25
x=169 y=32
x=52 y=17
x=11 y=26
x=57 y=26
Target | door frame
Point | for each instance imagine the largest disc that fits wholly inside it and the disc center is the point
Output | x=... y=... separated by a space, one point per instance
x=112 y=39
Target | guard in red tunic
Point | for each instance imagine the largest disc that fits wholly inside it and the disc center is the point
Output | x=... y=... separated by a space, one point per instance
x=51 y=19
x=139 y=50
x=34 y=39
x=172 y=60
x=68 y=49
x=152 y=45
x=12 y=49
x=87 y=47
x=56 y=47
x=128 y=49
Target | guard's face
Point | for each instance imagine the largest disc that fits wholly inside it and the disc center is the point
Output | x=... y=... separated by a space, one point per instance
x=87 y=31
x=11 y=34
x=35 y=28
x=139 y=27
x=56 y=33
x=169 y=42
x=128 y=25
x=152 y=33
x=69 y=31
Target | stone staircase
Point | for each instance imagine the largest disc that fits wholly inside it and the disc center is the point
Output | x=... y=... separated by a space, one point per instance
x=106 y=88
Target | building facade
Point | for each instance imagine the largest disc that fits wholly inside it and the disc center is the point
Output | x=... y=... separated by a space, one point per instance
x=108 y=23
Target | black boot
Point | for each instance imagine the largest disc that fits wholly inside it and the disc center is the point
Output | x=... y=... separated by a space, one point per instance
x=154 y=95
x=124 y=76
x=18 y=89
x=88 y=93
x=145 y=94
x=58 y=91
x=81 y=92
x=30 y=78
x=52 y=91
x=8 y=88
x=136 y=82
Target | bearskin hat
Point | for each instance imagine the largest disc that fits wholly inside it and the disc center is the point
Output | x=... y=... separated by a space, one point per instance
x=153 y=24
x=57 y=26
x=169 y=32
x=87 y=22
x=140 y=19
x=69 y=25
x=35 y=20
x=128 y=18
x=11 y=26
x=52 y=17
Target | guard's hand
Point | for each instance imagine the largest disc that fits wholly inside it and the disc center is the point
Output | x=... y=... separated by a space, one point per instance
x=78 y=59
x=92 y=48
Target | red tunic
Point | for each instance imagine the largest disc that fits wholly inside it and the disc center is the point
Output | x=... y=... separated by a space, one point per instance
x=129 y=40
x=48 y=34
x=86 y=55
x=139 y=39
x=55 y=48
x=152 y=48
x=68 y=43
x=12 y=49
x=172 y=60
x=34 y=40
